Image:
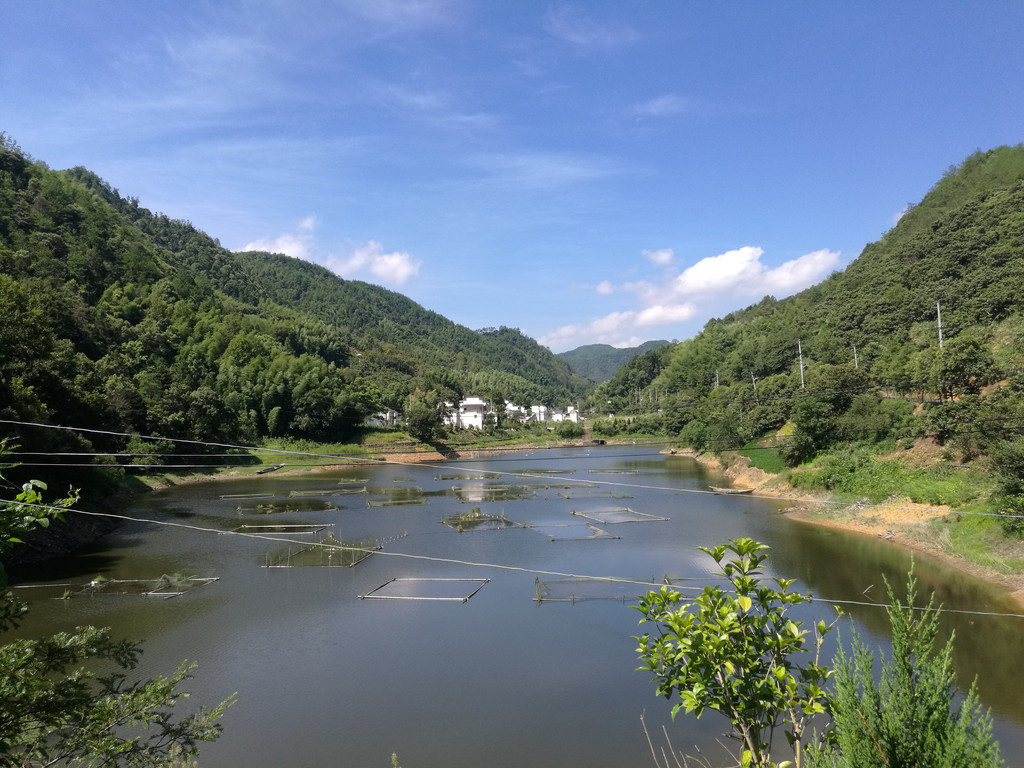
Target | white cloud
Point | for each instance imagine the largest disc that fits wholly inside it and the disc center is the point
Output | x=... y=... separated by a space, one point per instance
x=365 y=262
x=543 y=169
x=669 y=104
x=573 y=26
x=741 y=272
x=681 y=297
x=390 y=268
x=661 y=257
x=797 y=274
x=297 y=246
x=617 y=328
x=400 y=13
x=714 y=274
x=662 y=315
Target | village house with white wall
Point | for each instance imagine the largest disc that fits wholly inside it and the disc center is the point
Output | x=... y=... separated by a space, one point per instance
x=472 y=412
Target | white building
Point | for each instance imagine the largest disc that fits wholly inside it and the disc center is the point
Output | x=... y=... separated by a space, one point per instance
x=469 y=414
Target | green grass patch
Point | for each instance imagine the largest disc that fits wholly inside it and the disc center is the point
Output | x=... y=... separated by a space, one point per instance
x=763 y=456
x=980 y=539
x=855 y=473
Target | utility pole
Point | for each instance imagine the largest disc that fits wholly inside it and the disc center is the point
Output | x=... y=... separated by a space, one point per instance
x=855 y=356
x=754 y=382
x=938 y=311
x=716 y=378
x=800 y=352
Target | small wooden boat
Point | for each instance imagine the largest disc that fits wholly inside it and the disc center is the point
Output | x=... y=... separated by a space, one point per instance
x=730 y=491
x=265 y=470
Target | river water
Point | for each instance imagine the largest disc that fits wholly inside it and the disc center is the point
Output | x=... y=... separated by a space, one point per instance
x=325 y=678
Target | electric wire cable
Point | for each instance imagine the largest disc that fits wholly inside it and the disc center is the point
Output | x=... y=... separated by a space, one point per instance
x=588 y=481
x=475 y=564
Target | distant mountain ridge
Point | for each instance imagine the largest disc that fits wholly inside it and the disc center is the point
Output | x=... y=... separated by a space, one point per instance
x=599 y=362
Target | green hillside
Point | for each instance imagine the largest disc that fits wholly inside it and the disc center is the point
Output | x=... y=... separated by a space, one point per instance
x=869 y=339
x=117 y=319
x=599 y=362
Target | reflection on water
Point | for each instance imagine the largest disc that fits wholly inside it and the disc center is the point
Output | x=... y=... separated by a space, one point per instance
x=502 y=679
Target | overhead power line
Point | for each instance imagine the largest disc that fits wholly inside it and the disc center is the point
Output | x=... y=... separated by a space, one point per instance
x=476 y=564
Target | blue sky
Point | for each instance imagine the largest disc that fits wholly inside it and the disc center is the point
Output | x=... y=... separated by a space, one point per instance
x=589 y=172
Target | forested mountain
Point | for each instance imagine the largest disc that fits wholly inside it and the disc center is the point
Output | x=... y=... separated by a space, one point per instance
x=871 y=328
x=114 y=318
x=599 y=362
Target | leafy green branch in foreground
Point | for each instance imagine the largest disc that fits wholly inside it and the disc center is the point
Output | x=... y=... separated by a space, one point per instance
x=55 y=710
x=736 y=651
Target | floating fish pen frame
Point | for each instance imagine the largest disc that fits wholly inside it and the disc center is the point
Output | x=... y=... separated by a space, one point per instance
x=292 y=529
x=381 y=503
x=578 y=590
x=313 y=555
x=543 y=472
x=590 y=492
x=482 y=476
x=160 y=586
x=595 y=532
x=474 y=520
x=379 y=593
x=619 y=515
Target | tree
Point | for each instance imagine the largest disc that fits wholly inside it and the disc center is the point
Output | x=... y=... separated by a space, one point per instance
x=423 y=418
x=734 y=652
x=910 y=716
x=53 y=710
x=1008 y=469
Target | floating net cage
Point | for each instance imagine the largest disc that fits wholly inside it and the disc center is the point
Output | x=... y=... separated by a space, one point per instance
x=613 y=471
x=575 y=590
x=573 y=532
x=480 y=492
x=446 y=590
x=285 y=506
x=589 y=492
x=292 y=529
x=322 y=492
x=396 y=496
x=248 y=496
x=354 y=481
x=615 y=515
x=544 y=472
x=167 y=586
x=475 y=520
x=326 y=553
x=481 y=476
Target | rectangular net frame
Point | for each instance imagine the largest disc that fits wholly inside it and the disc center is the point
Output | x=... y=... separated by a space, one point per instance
x=167 y=586
x=292 y=529
x=444 y=590
x=573 y=532
x=327 y=553
x=615 y=515
x=577 y=590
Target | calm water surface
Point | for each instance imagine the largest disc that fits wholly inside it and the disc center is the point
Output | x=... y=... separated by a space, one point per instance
x=327 y=679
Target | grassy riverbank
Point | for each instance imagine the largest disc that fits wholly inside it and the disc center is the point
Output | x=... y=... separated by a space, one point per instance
x=908 y=496
x=374 y=445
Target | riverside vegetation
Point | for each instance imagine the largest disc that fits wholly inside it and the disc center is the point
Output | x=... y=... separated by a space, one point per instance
x=737 y=651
